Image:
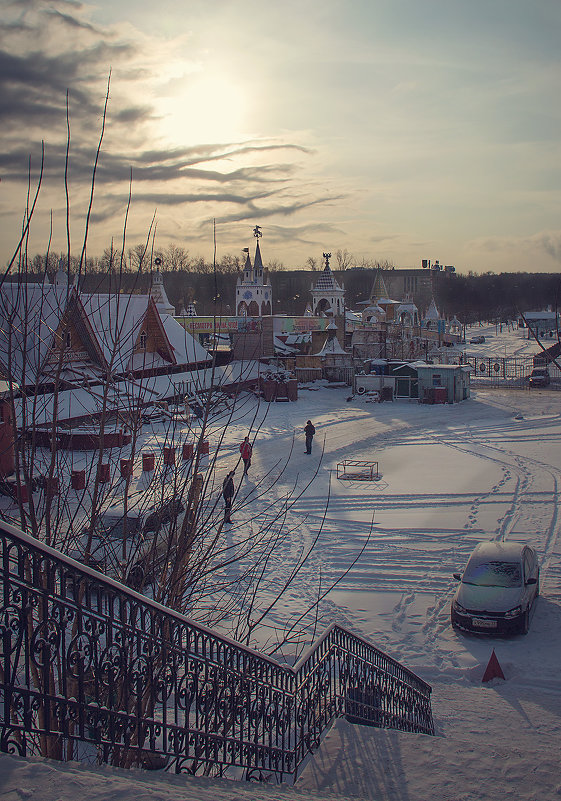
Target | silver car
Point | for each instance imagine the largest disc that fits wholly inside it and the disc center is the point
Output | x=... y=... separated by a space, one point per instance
x=497 y=589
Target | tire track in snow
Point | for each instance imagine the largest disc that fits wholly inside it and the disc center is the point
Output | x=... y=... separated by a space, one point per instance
x=527 y=470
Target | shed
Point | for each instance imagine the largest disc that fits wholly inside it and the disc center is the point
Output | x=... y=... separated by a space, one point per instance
x=406 y=379
x=443 y=383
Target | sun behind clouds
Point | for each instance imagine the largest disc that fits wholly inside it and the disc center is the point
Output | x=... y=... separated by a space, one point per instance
x=208 y=108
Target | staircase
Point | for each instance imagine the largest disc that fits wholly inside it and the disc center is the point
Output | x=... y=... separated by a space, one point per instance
x=93 y=671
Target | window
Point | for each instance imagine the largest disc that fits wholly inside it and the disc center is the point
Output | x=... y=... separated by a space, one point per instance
x=143 y=339
x=68 y=339
x=437 y=380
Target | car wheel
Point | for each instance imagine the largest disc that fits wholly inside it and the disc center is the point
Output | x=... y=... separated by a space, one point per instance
x=525 y=623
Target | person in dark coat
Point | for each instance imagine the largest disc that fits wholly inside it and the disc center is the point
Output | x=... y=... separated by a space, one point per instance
x=246 y=449
x=309 y=430
x=228 y=490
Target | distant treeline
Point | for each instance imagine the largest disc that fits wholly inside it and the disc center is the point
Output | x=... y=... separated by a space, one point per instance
x=498 y=297
x=470 y=297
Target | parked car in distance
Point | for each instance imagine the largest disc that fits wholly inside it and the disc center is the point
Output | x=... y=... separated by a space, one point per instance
x=479 y=340
x=539 y=377
x=497 y=589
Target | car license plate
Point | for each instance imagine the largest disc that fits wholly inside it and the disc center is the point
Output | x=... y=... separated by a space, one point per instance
x=483 y=623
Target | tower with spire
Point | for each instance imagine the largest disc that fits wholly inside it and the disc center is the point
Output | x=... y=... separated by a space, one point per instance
x=254 y=295
x=158 y=293
x=328 y=297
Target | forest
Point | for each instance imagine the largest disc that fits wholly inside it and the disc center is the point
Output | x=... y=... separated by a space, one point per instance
x=471 y=297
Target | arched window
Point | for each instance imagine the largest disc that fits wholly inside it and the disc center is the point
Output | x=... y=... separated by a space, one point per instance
x=68 y=339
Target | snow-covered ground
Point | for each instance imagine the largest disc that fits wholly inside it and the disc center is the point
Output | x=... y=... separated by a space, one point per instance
x=451 y=476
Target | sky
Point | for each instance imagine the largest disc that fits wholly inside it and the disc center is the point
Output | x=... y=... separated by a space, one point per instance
x=394 y=129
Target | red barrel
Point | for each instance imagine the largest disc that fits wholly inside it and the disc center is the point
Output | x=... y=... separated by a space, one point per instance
x=148 y=461
x=269 y=391
x=292 y=389
x=103 y=473
x=78 y=479
x=203 y=447
x=188 y=449
x=126 y=468
x=169 y=456
x=51 y=486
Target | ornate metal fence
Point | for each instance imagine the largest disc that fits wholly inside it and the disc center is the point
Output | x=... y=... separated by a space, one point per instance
x=91 y=670
x=511 y=372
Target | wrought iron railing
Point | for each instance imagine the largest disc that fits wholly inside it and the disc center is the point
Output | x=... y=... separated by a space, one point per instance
x=91 y=670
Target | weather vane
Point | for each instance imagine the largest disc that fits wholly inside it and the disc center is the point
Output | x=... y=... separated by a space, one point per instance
x=326 y=256
x=257 y=232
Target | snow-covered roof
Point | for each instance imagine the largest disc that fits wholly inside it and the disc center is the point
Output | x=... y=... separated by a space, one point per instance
x=299 y=339
x=407 y=307
x=374 y=311
x=117 y=321
x=432 y=312
x=186 y=348
x=439 y=367
x=331 y=346
x=282 y=347
x=29 y=317
x=542 y=315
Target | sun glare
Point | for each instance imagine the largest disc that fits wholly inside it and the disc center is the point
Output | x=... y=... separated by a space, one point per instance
x=210 y=109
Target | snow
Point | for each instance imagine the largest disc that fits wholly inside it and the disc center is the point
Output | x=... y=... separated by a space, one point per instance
x=451 y=476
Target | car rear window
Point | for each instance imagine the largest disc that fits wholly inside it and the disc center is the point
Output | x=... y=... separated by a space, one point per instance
x=493 y=574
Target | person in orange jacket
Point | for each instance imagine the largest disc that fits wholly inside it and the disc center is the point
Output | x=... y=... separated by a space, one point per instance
x=246 y=449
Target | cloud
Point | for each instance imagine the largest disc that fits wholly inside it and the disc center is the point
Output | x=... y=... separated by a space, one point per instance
x=49 y=48
x=533 y=246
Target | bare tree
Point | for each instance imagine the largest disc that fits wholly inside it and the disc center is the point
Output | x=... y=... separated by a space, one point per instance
x=229 y=264
x=176 y=258
x=160 y=530
x=112 y=260
x=137 y=257
x=344 y=259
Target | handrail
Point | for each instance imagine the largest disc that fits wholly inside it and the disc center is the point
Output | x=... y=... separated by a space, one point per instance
x=92 y=669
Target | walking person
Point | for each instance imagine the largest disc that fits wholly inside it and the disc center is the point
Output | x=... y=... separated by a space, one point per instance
x=309 y=430
x=228 y=490
x=246 y=449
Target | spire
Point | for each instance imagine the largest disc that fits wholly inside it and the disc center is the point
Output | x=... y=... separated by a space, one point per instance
x=158 y=293
x=432 y=312
x=258 y=263
x=327 y=268
x=247 y=270
x=379 y=289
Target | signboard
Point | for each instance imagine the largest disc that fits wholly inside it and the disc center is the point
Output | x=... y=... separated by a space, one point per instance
x=68 y=356
x=226 y=325
x=219 y=325
x=291 y=325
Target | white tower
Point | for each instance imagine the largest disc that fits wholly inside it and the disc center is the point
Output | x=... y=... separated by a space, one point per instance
x=158 y=293
x=254 y=295
x=328 y=298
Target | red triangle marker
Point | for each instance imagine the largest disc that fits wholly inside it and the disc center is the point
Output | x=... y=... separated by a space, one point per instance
x=493 y=669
